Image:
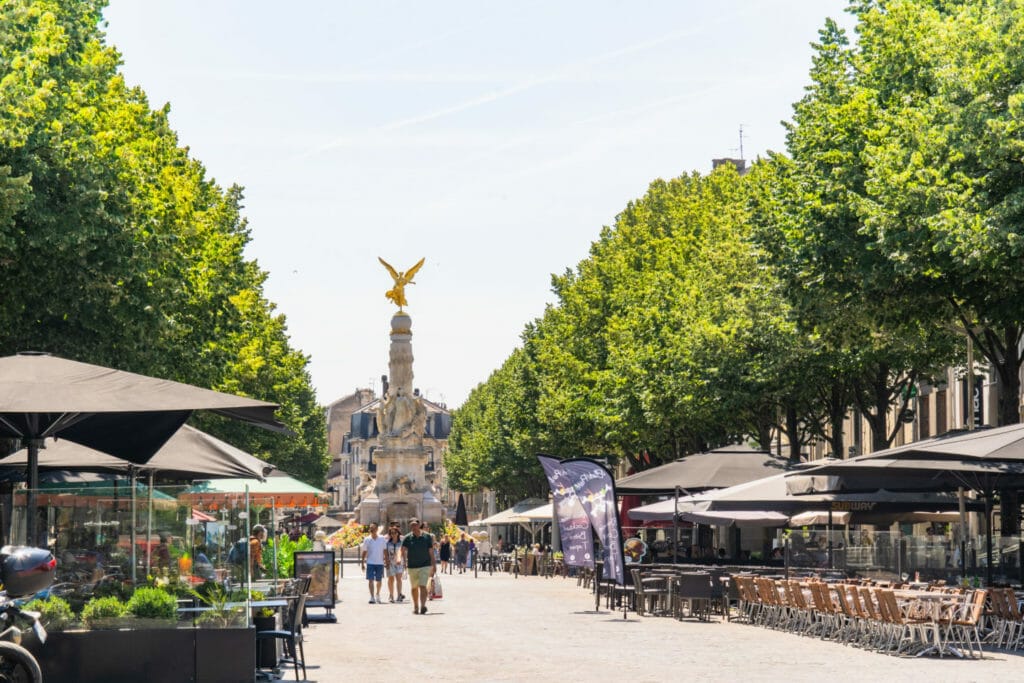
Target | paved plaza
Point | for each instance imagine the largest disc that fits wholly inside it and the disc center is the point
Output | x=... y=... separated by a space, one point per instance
x=500 y=628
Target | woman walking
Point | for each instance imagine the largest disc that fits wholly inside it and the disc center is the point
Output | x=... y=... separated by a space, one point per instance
x=445 y=553
x=395 y=567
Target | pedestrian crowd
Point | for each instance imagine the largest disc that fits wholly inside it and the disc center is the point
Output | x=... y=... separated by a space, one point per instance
x=412 y=559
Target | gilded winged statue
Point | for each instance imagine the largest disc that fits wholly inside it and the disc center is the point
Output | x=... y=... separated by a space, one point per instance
x=397 y=293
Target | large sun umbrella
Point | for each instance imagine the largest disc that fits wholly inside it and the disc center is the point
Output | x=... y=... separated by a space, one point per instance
x=720 y=468
x=923 y=471
x=120 y=413
x=188 y=454
x=278 y=490
x=771 y=494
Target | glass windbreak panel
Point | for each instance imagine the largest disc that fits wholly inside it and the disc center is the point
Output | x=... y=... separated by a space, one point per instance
x=109 y=542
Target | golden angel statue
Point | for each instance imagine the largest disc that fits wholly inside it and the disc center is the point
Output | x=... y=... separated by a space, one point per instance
x=397 y=293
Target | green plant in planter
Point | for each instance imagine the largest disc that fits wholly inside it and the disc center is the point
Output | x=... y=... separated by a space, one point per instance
x=54 y=612
x=97 y=610
x=260 y=611
x=286 y=549
x=219 y=615
x=153 y=603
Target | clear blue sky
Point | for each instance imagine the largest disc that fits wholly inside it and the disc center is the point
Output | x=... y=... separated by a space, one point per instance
x=495 y=139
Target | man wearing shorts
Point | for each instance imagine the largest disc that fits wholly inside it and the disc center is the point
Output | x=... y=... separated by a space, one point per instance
x=373 y=555
x=418 y=553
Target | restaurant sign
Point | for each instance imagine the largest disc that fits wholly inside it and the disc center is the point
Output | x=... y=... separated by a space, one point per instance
x=853 y=505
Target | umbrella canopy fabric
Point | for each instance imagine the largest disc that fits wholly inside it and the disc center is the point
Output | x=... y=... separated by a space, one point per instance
x=989 y=443
x=325 y=522
x=461 y=518
x=188 y=454
x=121 y=413
x=771 y=494
x=720 y=468
x=748 y=518
x=86 y=489
x=818 y=517
x=512 y=515
x=278 y=489
x=908 y=473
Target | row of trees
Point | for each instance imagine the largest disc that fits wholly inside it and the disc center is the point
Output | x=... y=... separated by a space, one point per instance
x=826 y=279
x=115 y=246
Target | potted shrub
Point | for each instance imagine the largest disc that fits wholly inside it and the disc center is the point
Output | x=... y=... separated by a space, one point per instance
x=152 y=607
x=104 y=613
x=219 y=615
x=54 y=612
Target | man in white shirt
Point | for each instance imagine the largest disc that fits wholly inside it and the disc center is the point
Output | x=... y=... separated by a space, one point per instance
x=373 y=548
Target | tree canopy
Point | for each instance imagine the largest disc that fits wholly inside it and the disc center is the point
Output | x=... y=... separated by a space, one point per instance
x=115 y=246
x=831 y=277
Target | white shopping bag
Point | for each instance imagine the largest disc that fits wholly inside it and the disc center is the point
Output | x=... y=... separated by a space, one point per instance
x=436 y=592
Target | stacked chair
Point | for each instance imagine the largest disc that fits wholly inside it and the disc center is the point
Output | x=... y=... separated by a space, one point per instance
x=872 y=618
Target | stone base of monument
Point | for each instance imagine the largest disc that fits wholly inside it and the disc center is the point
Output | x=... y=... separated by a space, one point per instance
x=400 y=508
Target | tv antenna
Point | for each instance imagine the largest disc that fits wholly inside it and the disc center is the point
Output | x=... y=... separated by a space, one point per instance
x=741 y=142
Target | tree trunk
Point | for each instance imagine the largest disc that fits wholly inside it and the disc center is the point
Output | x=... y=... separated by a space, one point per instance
x=837 y=411
x=793 y=430
x=1007 y=362
x=877 y=411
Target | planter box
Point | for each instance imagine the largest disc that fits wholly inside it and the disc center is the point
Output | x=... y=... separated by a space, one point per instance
x=157 y=655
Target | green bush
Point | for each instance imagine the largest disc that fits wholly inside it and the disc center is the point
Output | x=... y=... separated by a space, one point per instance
x=54 y=612
x=286 y=549
x=153 y=603
x=98 y=609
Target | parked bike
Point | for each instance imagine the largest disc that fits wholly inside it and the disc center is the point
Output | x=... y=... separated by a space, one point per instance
x=23 y=571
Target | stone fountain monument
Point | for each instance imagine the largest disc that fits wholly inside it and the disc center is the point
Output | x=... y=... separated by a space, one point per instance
x=401 y=489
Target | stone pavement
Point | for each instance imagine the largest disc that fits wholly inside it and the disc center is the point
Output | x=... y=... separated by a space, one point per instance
x=499 y=628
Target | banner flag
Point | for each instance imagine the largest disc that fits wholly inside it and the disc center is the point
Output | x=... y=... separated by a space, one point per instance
x=594 y=486
x=573 y=523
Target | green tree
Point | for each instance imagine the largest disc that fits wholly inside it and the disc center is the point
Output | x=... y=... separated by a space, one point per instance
x=945 y=163
x=114 y=245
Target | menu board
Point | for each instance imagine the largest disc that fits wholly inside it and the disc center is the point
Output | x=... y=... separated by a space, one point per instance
x=319 y=566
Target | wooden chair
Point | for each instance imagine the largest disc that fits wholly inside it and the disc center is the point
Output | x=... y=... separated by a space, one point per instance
x=962 y=630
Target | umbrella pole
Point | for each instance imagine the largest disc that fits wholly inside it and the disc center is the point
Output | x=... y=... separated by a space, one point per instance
x=830 y=563
x=675 y=533
x=277 y=538
x=248 y=573
x=988 y=538
x=31 y=512
x=149 y=528
x=963 y=532
x=131 y=483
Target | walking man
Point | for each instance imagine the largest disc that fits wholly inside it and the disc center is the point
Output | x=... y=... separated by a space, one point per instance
x=418 y=553
x=373 y=548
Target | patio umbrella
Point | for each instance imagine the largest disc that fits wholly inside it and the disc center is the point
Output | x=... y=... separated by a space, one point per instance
x=325 y=522
x=278 y=491
x=461 y=519
x=771 y=494
x=755 y=518
x=922 y=470
x=188 y=454
x=120 y=413
x=720 y=468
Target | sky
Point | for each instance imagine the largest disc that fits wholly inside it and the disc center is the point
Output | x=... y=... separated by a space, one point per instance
x=495 y=140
